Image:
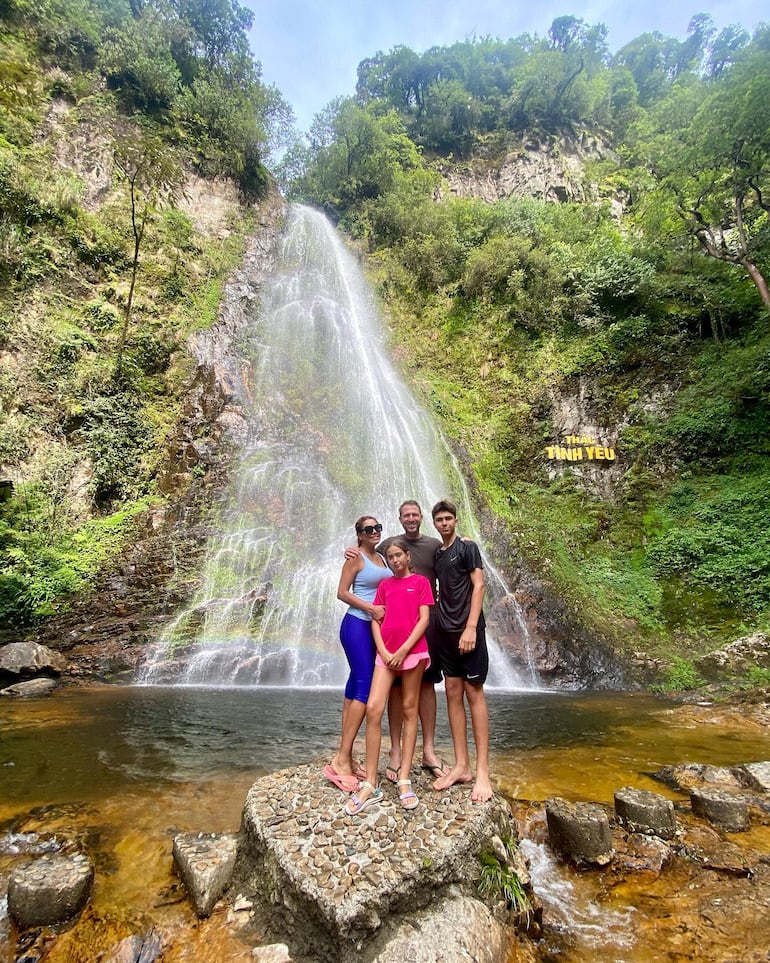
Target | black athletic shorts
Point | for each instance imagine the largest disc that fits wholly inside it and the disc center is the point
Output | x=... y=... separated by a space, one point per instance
x=471 y=666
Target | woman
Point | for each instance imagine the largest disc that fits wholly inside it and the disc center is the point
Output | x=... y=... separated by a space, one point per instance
x=401 y=650
x=358 y=585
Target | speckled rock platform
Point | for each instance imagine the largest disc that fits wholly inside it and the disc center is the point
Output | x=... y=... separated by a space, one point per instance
x=329 y=883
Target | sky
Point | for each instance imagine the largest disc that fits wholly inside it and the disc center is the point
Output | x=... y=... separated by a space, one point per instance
x=310 y=50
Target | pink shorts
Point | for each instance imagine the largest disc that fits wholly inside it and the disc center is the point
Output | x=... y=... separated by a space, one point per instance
x=413 y=659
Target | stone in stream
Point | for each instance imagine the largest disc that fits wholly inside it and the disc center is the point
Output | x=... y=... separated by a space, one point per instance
x=30 y=688
x=642 y=811
x=726 y=810
x=275 y=953
x=137 y=949
x=50 y=889
x=205 y=863
x=579 y=831
x=755 y=775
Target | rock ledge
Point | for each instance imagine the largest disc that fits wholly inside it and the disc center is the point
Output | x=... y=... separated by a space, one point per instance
x=337 y=888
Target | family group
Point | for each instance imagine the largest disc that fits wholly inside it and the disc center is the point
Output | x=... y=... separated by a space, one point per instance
x=414 y=617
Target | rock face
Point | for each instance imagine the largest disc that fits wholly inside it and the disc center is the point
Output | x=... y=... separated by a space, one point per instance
x=106 y=631
x=50 y=889
x=736 y=657
x=551 y=168
x=341 y=888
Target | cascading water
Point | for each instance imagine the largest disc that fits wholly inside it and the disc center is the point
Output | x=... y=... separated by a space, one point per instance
x=336 y=435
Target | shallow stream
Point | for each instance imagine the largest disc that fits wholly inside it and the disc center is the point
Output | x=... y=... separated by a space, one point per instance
x=125 y=769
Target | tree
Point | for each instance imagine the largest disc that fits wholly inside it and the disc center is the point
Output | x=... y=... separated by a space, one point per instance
x=153 y=175
x=355 y=155
x=710 y=160
x=219 y=28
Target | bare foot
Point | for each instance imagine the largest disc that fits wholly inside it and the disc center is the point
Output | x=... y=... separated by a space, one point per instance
x=482 y=790
x=451 y=778
x=343 y=767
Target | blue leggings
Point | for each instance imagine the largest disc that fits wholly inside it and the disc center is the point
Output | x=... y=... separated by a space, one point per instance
x=357 y=641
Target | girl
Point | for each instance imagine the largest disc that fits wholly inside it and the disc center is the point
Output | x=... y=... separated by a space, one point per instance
x=358 y=584
x=401 y=649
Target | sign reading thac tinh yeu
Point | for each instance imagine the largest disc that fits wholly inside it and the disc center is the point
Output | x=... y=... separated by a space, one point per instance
x=580 y=448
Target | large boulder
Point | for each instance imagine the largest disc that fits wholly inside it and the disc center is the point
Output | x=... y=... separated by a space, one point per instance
x=341 y=888
x=23 y=660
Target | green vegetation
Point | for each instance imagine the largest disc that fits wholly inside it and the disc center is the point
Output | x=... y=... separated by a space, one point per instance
x=498 y=880
x=681 y=677
x=644 y=308
x=637 y=303
x=109 y=111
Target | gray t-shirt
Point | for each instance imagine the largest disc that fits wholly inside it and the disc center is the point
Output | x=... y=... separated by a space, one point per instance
x=422 y=552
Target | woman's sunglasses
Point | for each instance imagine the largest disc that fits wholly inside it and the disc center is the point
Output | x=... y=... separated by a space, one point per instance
x=371 y=529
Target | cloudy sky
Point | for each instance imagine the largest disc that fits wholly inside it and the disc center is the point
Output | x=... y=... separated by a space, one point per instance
x=310 y=49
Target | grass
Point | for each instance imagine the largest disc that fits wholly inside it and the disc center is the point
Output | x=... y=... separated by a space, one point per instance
x=498 y=880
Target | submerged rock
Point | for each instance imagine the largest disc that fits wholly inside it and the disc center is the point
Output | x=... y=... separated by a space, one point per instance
x=137 y=949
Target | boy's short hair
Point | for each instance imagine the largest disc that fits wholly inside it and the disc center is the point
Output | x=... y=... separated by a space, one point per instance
x=443 y=506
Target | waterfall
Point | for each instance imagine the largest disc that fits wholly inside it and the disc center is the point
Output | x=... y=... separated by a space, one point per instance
x=336 y=435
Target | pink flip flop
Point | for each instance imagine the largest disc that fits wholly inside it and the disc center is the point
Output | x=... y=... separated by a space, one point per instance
x=347 y=784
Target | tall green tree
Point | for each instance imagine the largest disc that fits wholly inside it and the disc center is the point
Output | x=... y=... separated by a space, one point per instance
x=709 y=154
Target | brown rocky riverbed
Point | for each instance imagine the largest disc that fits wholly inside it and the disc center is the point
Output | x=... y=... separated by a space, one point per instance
x=704 y=895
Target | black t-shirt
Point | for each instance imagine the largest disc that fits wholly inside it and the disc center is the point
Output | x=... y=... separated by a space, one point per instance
x=422 y=552
x=453 y=571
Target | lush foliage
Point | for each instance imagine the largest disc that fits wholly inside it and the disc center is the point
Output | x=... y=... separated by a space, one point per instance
x=107 y=111
x=653 y=320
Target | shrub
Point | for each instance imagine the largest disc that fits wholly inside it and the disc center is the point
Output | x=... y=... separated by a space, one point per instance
x=116 y=436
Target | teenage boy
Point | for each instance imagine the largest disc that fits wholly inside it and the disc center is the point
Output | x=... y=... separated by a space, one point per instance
x=462 y=648
x=422 y=551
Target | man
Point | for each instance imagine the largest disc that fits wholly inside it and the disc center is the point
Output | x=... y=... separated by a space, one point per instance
x=461 y=645
x=422 y=551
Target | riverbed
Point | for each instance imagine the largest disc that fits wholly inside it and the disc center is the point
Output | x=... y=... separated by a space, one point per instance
x=125 y=769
